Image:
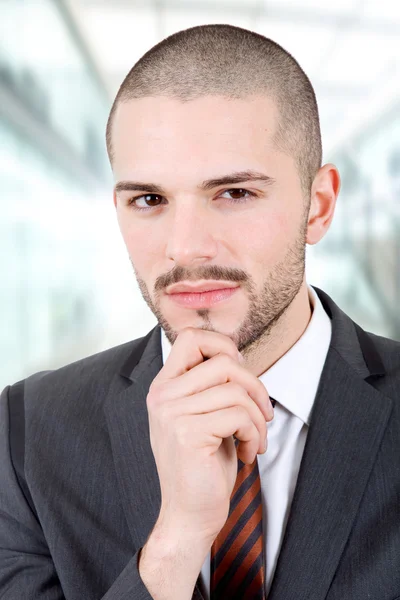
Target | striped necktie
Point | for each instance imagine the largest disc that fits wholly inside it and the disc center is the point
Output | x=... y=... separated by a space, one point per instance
x=237 y=553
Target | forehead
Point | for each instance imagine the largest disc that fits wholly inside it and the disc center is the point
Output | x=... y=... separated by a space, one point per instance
x=208 y=129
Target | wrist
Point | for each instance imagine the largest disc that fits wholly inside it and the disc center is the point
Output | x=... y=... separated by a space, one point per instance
x=168 y=566
x=167 y=541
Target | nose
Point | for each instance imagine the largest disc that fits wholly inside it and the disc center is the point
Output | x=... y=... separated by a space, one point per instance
x=190 y=235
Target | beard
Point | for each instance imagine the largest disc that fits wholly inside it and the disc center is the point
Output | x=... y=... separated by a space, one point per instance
x=266 y=307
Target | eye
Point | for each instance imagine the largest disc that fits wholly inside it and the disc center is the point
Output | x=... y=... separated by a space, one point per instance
x=239 y=191
x=156 y=198
x=147 y=198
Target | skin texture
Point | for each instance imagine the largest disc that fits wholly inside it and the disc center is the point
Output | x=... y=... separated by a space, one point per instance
x=189 y=234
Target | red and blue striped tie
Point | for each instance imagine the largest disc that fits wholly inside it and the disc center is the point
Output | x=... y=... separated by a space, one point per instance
x=237 y=553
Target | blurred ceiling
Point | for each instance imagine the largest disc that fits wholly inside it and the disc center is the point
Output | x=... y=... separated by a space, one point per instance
x=350 y=49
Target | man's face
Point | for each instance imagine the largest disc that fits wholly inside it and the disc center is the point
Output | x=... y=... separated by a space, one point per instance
x=189 y=234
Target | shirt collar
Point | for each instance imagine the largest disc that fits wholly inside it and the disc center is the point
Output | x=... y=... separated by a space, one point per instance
x=293 y=380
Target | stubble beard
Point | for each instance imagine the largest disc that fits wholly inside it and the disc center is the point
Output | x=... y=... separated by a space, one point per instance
x=266 y=308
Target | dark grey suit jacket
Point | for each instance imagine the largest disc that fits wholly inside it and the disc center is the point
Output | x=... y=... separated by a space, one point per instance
x=80 y=494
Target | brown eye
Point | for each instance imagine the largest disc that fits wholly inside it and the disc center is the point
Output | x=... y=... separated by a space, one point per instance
x=237 y=193
x=152 y=201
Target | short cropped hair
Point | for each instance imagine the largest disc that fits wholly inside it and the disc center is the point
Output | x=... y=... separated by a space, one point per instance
x=235 y=63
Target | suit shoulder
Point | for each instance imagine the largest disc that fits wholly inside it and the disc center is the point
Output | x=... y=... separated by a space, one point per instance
x=389 y=352
x=388 y=348
x=95 y=371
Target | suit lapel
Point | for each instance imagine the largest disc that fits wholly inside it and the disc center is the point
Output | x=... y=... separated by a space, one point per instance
x=127 y=419
x=128 y=426
x=347 y=424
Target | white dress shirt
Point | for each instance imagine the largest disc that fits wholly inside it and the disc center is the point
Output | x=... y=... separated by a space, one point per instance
x=293 y=381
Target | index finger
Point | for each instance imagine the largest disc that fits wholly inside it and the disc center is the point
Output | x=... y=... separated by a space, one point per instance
x=192 y=347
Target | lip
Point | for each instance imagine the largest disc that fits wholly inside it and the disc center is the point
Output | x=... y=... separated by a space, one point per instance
x=207 y=286
x=202 y=299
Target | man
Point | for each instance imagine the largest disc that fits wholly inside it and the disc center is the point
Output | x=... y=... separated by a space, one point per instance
x=120 y=475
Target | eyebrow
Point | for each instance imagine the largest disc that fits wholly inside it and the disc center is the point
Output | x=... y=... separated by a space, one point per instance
x=208 y=184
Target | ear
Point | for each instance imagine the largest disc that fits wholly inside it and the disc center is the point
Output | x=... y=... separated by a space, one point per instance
x=115 y=198
x=324 y=192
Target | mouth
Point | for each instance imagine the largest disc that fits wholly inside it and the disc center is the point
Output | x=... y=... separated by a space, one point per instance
x=202 y=299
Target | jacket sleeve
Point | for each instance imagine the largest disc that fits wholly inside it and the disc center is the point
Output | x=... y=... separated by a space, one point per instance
x=26 y=568
x=27 y=571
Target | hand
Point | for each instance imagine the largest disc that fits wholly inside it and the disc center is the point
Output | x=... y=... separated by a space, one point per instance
x=195 y=406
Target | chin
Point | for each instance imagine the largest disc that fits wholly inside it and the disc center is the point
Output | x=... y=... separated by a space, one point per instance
x=225 y=324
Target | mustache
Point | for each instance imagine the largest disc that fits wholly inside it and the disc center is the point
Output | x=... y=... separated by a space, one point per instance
x=213 y=272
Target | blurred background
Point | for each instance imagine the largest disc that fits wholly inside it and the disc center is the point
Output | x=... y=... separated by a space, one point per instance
x=67 y=288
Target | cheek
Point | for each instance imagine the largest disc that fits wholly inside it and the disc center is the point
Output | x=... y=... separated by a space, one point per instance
x=265 y=238
x=144 y=245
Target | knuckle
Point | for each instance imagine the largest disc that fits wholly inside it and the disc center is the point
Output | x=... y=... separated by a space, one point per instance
x=152 y=396
x=261 y=387
x=150 y=400
x=163 y=412
x=260 y=421
x=152 y=391
x=264 y=430
x=156 y=395
x=225 y=361
x=232 y=350
x=244 y=414
x=235 y=388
